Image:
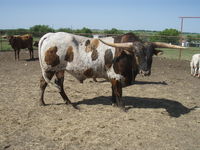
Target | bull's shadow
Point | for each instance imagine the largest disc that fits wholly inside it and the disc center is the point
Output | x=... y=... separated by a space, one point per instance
x=141 y=82
x=174 y=108
x=150 y=82
x=32 y=59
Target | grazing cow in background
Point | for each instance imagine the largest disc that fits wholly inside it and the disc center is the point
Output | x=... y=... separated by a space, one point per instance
x=86 y=58
x=195 y=65
x=21 y=42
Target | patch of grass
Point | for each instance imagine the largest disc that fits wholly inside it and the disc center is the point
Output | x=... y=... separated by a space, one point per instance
x=186 y=54
x=4 y=45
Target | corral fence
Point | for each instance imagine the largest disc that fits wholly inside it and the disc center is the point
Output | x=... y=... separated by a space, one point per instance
x=192 y=44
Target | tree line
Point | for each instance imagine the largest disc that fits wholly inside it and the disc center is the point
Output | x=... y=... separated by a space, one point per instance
x=168 y=35
x=39 y=29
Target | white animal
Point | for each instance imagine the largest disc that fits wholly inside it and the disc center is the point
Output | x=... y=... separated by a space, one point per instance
x=195 y=65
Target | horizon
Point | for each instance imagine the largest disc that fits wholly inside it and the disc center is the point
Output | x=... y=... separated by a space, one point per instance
x=140 y=30
x=154 y=15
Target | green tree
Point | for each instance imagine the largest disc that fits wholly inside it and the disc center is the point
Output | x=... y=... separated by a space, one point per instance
x=39 y=30
x=84 y=30
x=19 y=31
x=113 y=31
x=167 y=35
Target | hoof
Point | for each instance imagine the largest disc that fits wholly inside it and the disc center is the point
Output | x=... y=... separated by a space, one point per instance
x=72 y=105
x=94 y=79
x=114 y=104
x=42 y=104
x=123 y=109
x=75 y=107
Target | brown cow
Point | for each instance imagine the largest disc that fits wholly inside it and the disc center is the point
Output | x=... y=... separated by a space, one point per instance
x=21 y=42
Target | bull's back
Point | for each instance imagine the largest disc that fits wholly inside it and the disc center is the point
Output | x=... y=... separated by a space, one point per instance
x=68 y=52
x=56 y=50
x=22 y=42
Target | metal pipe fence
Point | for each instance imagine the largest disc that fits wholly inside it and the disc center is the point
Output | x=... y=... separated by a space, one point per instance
x=5 y=46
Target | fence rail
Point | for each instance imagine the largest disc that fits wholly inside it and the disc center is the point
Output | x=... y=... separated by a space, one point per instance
x=5 y=46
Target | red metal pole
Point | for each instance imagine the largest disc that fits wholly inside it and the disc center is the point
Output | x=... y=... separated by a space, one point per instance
x=182 y=33
x=181 y=39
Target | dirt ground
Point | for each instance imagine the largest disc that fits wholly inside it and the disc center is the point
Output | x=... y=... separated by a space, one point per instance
x=159 y=116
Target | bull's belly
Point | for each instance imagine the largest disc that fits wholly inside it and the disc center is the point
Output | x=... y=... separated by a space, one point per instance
x=84 y=72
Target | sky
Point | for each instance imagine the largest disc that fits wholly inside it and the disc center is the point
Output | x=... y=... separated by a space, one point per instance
x=155 y=15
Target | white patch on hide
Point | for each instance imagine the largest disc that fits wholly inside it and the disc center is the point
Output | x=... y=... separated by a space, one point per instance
x=112 y=75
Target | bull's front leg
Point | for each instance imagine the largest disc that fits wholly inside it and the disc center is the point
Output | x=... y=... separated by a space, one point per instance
x=117 y=94
x=31 y=53
x=15 y=53
x=192 y=71
x=195 y=71
x=114 y=103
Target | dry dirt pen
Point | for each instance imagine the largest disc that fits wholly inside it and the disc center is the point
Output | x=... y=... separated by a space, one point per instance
x=159 y=115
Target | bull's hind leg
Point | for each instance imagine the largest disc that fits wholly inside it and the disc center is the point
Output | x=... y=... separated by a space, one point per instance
x=18 y=53
x=15 y=54
x=59 y=81
x=43 y=86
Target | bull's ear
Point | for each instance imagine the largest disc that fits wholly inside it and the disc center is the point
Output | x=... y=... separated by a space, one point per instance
x=157 y=52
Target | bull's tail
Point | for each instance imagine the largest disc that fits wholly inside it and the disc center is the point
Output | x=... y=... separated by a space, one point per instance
x=44 y=74
x=49 y=82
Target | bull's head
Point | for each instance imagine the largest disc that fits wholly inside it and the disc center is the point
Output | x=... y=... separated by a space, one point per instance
x=11 y=39
x=143 y=52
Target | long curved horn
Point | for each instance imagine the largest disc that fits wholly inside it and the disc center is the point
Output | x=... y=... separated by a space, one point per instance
x=165 y=45
x=119 y=45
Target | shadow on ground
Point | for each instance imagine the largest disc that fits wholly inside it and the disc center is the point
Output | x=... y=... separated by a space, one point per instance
x=174 y=108
x=34 y=59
